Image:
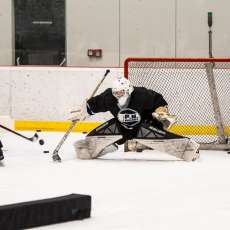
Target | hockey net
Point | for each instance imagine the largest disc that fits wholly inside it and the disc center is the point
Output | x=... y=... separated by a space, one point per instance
x=197 y=91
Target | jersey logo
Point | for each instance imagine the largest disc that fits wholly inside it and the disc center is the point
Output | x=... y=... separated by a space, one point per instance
x=129 y=118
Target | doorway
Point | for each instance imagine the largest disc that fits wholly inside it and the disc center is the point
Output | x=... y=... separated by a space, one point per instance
x=40 y=32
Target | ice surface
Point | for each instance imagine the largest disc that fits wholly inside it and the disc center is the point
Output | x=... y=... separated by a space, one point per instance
x=130 y=191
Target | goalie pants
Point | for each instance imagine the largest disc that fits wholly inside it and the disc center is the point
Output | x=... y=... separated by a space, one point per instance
x=114 y=127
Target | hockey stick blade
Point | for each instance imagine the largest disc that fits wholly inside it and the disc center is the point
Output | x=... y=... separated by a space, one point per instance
x=32 y=139
x=56 y=157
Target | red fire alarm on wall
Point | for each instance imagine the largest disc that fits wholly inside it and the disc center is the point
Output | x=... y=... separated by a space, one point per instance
x=94 y=53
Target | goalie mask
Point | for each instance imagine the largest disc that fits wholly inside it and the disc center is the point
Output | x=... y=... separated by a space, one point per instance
x=121 y=90
x=129 y=118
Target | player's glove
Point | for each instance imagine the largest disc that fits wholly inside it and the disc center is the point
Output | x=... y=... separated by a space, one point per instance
x=162 y=115
x=79 y=114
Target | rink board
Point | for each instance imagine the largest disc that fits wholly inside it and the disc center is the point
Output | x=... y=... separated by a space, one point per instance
x=62 y=126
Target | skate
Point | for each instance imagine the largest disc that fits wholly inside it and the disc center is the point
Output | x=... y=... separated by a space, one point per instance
x=1 y=154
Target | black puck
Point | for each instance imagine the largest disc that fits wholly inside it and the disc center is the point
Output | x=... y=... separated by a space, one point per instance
x=41 y=142
x=46 y=151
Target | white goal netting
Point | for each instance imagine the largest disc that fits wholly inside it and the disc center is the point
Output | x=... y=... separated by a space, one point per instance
x=188 y=89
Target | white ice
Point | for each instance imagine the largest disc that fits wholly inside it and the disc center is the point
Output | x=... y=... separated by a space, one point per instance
x=130 y=191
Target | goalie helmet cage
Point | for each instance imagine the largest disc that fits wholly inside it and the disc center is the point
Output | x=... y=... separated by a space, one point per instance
x=197 y=91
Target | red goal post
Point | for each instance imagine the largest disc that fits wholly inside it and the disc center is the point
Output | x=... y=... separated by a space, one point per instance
x=196 y=89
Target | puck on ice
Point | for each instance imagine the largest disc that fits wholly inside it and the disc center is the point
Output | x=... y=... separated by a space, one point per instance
x=46 y=151
x=41 y=142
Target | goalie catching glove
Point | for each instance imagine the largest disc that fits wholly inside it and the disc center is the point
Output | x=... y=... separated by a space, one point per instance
x=162 y=115
x=80 y=113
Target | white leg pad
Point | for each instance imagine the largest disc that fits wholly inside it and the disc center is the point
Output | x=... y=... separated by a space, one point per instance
x=92 y=146
x=184 y=149
x=191 y=152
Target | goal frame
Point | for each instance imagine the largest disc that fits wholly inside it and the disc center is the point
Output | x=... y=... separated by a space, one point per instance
x=223 y=141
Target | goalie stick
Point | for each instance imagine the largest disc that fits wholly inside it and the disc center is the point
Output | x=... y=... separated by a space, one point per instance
x=55 y=155
x=32 y=139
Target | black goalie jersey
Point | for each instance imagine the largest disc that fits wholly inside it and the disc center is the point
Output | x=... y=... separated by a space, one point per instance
x=142 y=103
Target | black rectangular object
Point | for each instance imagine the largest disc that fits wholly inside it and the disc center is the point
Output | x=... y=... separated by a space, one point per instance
x=46 y=211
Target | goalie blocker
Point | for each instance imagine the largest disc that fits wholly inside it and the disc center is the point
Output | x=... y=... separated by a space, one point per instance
x=112 y=132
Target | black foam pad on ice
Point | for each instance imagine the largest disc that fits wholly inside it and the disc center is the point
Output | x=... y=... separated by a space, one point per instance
x=43 y=212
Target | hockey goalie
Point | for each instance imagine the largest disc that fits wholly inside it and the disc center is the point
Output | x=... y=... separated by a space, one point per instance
x=140 y=115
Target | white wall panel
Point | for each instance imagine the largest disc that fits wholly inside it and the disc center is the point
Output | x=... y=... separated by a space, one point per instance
x=92 y=24
x=123 y=28
x=6 y=28
x=147 y=28
x=192 y=28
